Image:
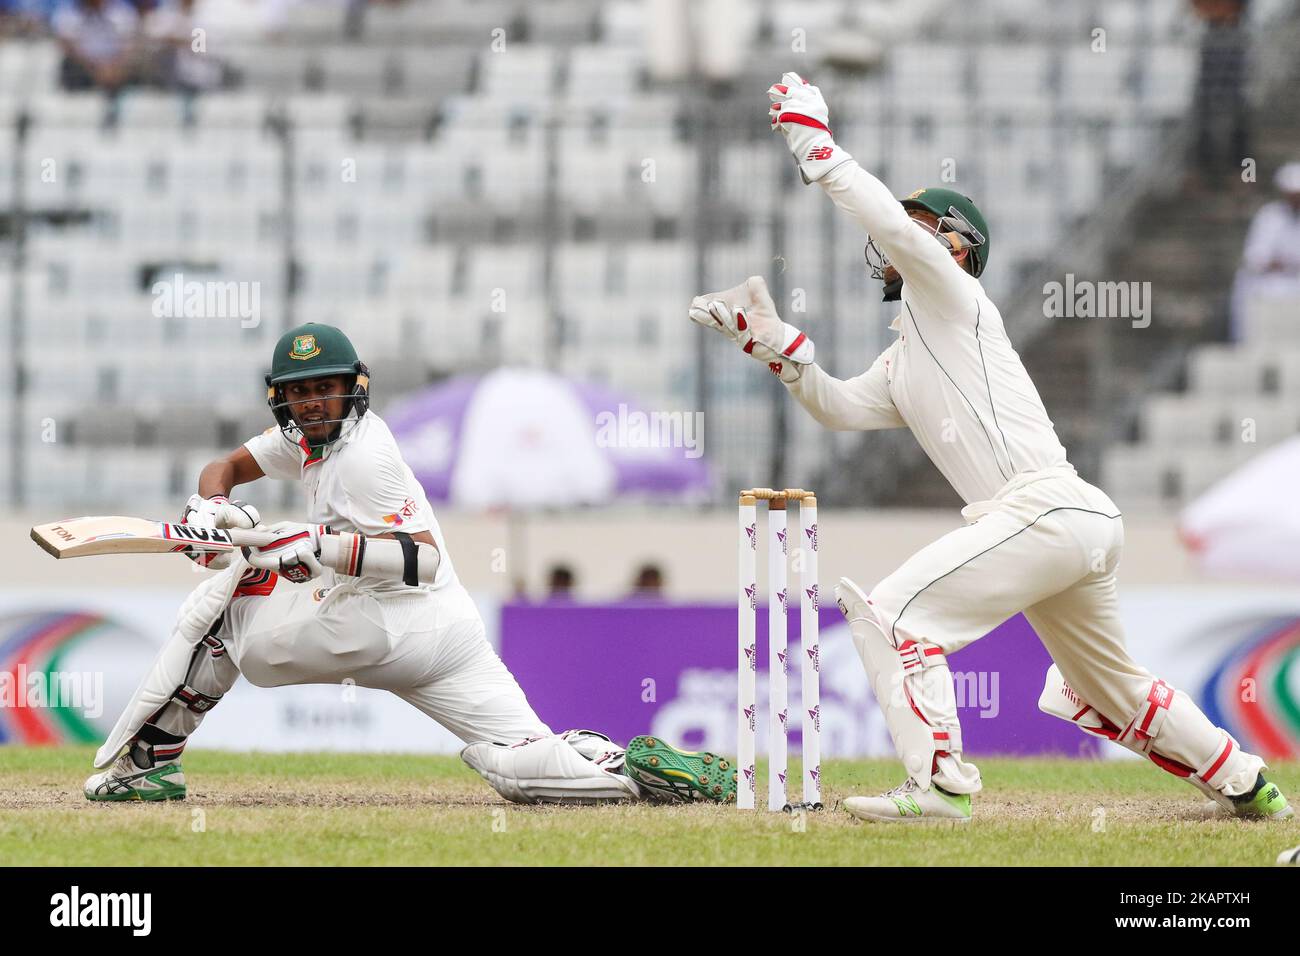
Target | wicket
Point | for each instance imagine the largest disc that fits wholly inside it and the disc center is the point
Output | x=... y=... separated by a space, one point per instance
x=747 y=658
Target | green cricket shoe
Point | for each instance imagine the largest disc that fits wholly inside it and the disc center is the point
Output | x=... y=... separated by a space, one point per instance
x=1265 y=802
x=679 y=775
x=910 y=804
x=125 y=780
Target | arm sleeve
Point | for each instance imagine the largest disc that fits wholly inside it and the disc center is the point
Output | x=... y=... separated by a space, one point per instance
x=926 y=265
x=275 y=456
x=858 y=404
x=380 y=494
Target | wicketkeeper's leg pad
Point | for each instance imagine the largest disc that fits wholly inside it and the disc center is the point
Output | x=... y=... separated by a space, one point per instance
x=914 y=689
x=1169 y=729
x=578 y=766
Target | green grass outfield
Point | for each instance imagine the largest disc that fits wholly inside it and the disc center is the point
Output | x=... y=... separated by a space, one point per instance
x=349 y=809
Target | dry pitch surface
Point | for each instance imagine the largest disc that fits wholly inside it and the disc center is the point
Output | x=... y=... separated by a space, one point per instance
x=347 y=809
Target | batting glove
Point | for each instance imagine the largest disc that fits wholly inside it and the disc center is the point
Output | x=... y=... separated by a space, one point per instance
x=747 y=316
x=294 y=554
x=800 y=114
x=217 y=512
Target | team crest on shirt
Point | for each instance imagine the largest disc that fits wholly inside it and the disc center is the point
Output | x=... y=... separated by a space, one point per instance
x=407 y=510
x=304 y=347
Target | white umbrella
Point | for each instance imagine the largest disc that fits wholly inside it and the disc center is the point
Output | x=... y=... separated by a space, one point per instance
x=1248 y=525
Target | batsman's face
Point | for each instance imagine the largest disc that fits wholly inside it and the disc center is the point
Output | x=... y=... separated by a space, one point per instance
x=315 y=402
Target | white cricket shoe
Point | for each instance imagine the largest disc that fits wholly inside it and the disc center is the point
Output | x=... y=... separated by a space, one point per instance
x=126 y=780
x=910 y=804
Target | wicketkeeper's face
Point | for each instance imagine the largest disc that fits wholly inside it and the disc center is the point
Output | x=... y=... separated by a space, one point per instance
x=316 y=404
x=931 y=222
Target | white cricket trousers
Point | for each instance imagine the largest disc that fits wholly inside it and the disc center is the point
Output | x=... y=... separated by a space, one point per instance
x=427 y=647
x=1049 y=545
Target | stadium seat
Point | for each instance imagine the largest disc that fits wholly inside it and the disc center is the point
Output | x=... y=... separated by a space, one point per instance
x=622 y=23
x=319 y=21
x=1168 y=78
x=1286 y=366
x=353 y=70
x=436 y=73
x=60 y=112
x=930 y=76
x=57 y=477
x=1273 y=322
x=1180 y=421
x=1268 y=419
x=1137 y=477
x=645 y=269
x=1014 y=75
x=150 y=110
x=519 y=72
x=1199 y=469
x=1092 y=83
x=1225 y=370
x=30 y=65
x=561 y=22
x=421 y=272
x=600 y=73
x=581 y=271
x=322 y=115
x=279 y=70
x=516 y=271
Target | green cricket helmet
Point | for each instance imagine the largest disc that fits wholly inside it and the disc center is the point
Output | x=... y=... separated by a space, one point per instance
x=961 y=226
x=313 y=350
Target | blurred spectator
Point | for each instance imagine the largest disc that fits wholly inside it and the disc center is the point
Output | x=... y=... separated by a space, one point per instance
x=26 y=17
x=172 y=26
x=98 y=41
x=559 y=583
x=1270 y=262
x=649 y=583
x=1219 y=107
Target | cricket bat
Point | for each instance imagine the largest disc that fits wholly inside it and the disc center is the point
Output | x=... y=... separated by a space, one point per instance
x=347 y=553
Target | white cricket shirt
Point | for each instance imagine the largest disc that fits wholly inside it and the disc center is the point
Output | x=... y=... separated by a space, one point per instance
x=951 y=376
x=360 y=484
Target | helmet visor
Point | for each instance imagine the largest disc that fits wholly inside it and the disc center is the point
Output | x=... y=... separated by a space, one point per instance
x=954 y=231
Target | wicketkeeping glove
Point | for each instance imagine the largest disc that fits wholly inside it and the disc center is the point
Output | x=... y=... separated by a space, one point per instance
x=747 y=316
x=217 y=512
x=294 y=555
x=800 y=114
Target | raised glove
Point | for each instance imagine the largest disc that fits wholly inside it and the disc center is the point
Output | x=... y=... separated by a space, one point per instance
x=800 y=114
x=217 y=512
x=294 y=554
x=747 y=316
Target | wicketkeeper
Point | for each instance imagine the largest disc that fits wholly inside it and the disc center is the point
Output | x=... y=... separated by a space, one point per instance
x=278 y=617
x=1038 y=538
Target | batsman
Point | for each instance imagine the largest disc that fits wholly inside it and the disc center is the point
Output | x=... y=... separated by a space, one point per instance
x=1038 y=539
x=275 y=615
